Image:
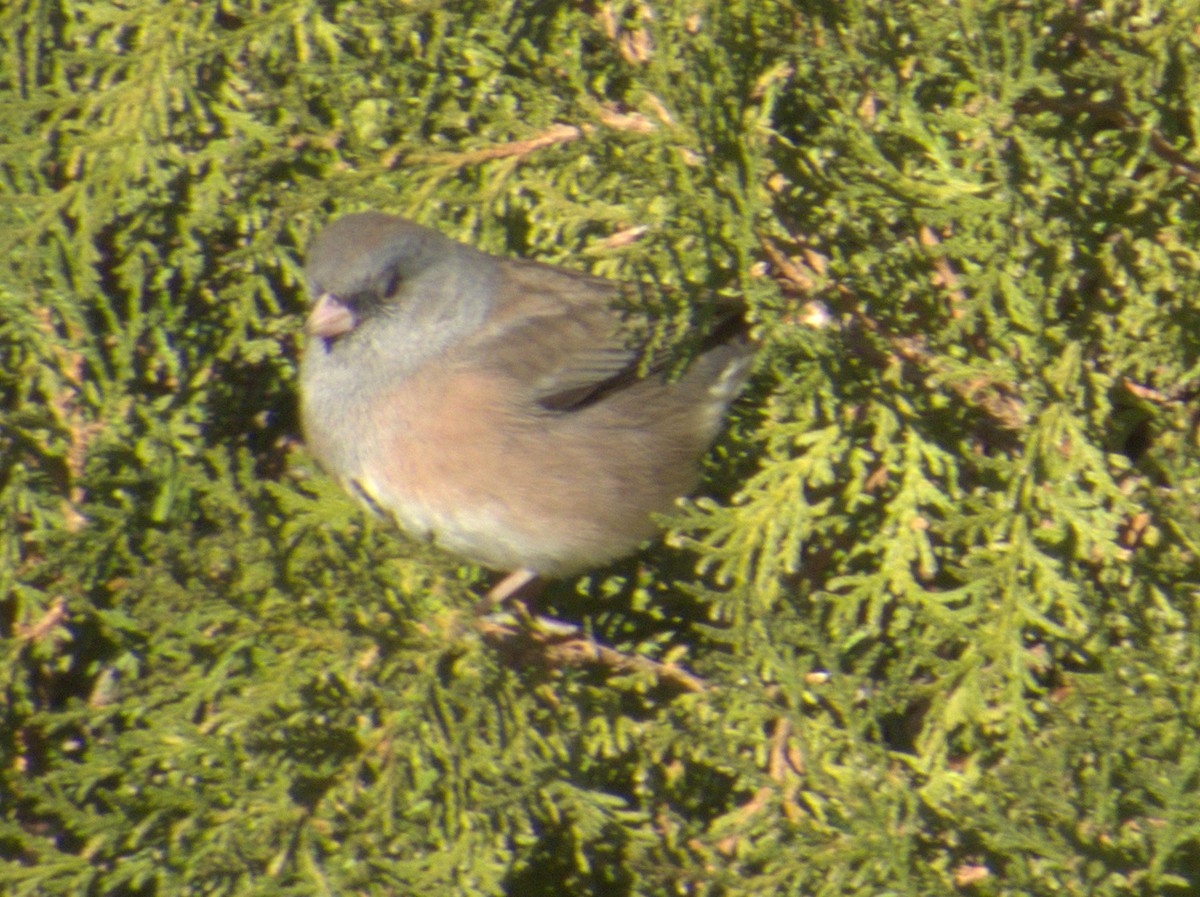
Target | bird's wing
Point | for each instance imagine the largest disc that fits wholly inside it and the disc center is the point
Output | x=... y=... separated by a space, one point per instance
x=557 y=333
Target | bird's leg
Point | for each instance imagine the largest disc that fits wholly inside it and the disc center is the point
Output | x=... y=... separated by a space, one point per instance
x=526 y=637
x=522 y=583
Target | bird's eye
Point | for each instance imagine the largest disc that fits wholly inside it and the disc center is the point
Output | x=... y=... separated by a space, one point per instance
x=391 y=284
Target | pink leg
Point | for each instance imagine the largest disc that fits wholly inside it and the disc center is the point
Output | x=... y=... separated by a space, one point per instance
x=512 y=585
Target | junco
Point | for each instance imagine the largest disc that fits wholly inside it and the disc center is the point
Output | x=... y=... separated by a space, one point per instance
x=495 y=406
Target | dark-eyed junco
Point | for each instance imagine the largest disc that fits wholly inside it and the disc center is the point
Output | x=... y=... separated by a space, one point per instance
x=499 y=407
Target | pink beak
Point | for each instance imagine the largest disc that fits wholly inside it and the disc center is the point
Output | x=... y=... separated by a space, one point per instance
x=329 y=318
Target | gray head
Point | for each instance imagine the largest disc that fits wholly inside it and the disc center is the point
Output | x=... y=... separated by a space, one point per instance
x=360 y=263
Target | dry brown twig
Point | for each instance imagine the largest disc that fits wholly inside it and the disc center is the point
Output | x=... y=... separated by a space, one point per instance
x=1113 y=113
x=784 y=764
x=944 y=275
x=552 y=136
x=995 y=399
x=1180 y=392
x=633 y=43
x=557 y=644
x=79 y=430
x=38 y=630
x=793 y=271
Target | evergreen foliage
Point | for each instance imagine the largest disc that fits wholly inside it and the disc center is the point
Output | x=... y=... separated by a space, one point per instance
x=943 y=589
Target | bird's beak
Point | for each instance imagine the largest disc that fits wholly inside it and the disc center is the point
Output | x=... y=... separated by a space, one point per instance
x=329 y=318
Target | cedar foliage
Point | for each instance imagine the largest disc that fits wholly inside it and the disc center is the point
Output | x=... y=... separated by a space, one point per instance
x=943 y=588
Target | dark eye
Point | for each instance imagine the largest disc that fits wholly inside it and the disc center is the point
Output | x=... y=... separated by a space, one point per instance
x=391 y=284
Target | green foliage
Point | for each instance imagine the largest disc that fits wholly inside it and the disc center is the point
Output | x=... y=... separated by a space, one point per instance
x=945 y=588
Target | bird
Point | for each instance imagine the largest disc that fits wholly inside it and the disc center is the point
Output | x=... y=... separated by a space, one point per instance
x=501 y=408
